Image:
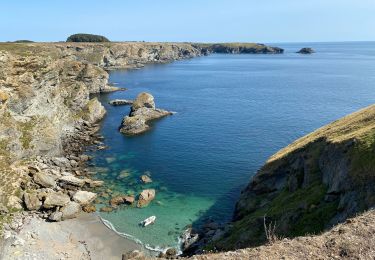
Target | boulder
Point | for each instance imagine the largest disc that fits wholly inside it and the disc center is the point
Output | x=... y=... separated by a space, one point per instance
x=71 y=180
x=145 y=197
x=133 y=255
x=89 y=208
x=71 y=210
x=129 y=199
x=306 y=51
x=171 y=252
x=55 y=199
x=146 y=179
x=121 y=102
x=44 y=180
x=14 y=202
x=55 y=216
x=61 y=162
x=32 y=201
x=115 y=201
x=84 y=197
x=94 y=184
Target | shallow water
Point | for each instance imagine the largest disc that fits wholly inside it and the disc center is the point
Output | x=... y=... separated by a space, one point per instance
x=233 y=112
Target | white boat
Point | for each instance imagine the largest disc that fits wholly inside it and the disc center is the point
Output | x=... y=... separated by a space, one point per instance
x=148 y=221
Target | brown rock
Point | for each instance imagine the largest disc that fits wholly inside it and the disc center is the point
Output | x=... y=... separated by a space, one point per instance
x=89 y=208
x=145 y=197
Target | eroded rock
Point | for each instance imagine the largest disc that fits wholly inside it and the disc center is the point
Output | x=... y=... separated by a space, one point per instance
x=84 y=197
x=71 y=210
x=32 y=201
x=55 y=199
x=44 y=180
x=143 y=110
x=146 y=197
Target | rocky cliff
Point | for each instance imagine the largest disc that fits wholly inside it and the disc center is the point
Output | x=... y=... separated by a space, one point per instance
x=314 y=183
x=45 y=95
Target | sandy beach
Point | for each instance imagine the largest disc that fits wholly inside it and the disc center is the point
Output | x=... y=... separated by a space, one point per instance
x=85 y=237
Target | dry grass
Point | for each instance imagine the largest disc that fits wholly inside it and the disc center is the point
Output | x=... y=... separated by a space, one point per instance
x=357 y=125
x=354 y=239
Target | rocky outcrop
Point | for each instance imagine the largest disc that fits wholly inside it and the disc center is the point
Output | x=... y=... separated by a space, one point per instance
x=121 y=102
x=237 y=48
x=306 y=51
x=312 y=184
x=142 y=111
x=146 y=197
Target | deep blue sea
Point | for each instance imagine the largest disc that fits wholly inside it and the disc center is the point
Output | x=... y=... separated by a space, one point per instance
x=232 y=113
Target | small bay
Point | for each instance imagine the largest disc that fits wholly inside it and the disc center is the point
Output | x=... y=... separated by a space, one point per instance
x=232 y=113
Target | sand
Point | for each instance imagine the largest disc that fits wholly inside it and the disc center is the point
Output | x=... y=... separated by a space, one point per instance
x=85 y=237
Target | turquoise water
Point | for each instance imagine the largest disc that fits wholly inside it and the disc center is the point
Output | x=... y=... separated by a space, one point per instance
x=233 y=112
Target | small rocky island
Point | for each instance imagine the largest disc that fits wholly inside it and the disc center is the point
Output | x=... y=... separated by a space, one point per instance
x=306 y=51
x=142 y=111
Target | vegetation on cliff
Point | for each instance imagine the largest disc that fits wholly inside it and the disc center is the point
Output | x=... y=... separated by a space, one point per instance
x=84 y=37
x=314 y=183
x=237 y=48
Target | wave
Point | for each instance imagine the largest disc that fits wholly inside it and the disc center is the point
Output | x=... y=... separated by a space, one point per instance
x=156 y=249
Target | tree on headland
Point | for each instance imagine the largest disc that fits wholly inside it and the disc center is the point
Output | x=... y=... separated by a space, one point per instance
x=84 y=37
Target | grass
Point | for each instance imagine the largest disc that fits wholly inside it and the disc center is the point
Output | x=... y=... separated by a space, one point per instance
x=26 y=129
x=357 y=125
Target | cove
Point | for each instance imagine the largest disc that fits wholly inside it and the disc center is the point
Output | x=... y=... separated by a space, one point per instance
x=232 y=113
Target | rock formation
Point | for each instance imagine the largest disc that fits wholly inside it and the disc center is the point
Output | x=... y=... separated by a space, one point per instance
x=142 y=111
x=146 y=197
x=306 y=51
x=121 y=102
x=237 y=48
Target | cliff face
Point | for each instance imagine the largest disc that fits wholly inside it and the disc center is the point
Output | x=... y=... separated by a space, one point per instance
x=314 y=183
x=44 y=95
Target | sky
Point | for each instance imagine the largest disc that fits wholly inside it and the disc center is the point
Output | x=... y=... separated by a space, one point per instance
x=190 y=20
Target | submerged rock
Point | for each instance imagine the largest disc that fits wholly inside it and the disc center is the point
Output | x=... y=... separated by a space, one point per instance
x=146 y=197
x=146 y=179
x=106 y=209
x=142 y=111
x=306 y=51
x=118 y=200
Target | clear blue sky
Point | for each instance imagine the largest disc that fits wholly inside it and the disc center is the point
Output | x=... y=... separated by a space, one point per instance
x=190 y=20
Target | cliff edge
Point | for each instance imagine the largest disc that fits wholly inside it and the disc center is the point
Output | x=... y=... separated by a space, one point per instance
x=315 y=183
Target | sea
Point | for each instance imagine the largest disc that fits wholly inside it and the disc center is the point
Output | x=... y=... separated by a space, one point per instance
x=232 y=112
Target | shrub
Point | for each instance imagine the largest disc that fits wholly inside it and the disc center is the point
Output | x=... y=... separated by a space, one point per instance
x=82 y=37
